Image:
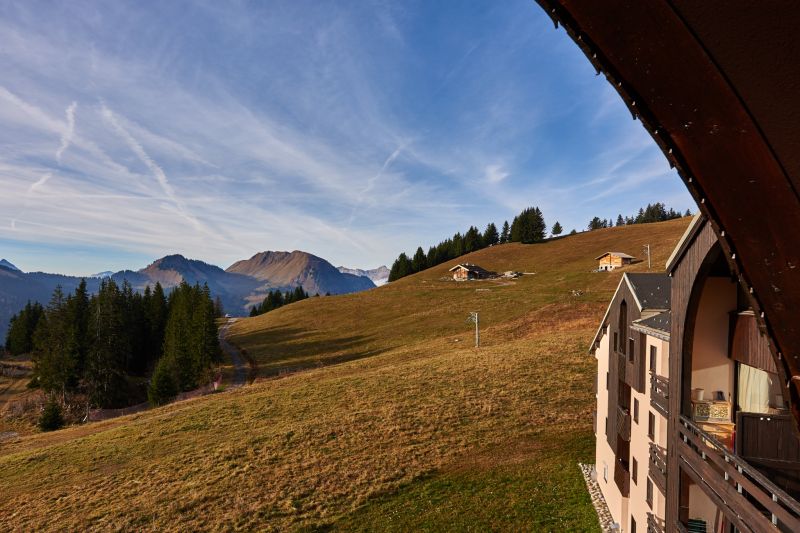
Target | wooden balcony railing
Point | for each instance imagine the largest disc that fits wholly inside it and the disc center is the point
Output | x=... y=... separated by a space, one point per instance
x=655 y=524
x=658 y=466
x=622 y=477
x=750 y=501
x=624 y=423
x=659 y=393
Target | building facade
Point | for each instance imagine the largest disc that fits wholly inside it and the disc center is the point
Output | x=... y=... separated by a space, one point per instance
x=693 y=432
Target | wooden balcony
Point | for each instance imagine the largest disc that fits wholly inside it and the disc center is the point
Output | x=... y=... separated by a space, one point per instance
x=749 y=500
x=624 y=423
x=659 y=393
x=658 y=467
x=655 y=524
x=622 y=477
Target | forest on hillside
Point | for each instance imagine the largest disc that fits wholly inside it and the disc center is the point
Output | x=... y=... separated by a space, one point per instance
x=528 y=227
x=101 y=350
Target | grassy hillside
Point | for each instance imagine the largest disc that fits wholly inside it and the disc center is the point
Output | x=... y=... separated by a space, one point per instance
x=413 y=429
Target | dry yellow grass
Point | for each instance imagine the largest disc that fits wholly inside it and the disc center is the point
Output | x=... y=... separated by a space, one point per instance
x=413 y=404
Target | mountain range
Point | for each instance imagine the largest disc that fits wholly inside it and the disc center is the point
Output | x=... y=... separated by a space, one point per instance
x=379 y=276
x=240 y=286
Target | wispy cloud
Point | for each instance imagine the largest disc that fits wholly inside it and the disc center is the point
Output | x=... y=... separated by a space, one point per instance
x=495 y=174
x=69 y=132
x=351 y=133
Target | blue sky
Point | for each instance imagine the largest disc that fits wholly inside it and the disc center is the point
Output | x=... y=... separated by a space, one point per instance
x=352 y=130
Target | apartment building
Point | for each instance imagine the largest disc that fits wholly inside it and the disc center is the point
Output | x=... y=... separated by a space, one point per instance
x=693 y=430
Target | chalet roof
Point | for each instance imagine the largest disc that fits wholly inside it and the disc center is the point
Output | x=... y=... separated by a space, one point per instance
x=471 y=268
x=686 y=240
x=618 y=254
x=650 y=289
x=657 y=325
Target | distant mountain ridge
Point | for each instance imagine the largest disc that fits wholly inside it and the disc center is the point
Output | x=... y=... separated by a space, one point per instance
x=284 y=270
x=379 y=276
x=243 y=284
x=8 y=265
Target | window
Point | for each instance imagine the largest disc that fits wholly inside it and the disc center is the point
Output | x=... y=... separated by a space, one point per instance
x=630 y=350
x=608 y=380
x=633 y=525
x=605 y=472
x=606 y=426
x=634 y=470
x=653 y=355
x=615 y=341
x=649 y=495
x=636 y=410
x=651 y=425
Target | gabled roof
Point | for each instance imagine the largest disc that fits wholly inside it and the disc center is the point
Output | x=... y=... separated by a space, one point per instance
x=471 y=268
x=657 y=325
x=651 y=291
x=686 y=240
x=618 y=254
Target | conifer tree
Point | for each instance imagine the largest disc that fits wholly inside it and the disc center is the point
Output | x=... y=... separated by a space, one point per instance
x=620 y=220
x=490 y=235
x=419 y=262
x=557 y=229
x=505 y=234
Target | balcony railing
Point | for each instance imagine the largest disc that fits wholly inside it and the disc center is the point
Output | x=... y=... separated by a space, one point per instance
x=750 y=501
x=658 y=466
x=624 y=423
x=659 y=393
x=655 y=524
x=622 y=477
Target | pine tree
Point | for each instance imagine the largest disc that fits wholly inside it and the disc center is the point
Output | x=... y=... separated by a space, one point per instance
x=688 y=213
x=490 y=235
x=51 y=418
x=401 y=268
x=573 y=232
x=505 y=234
x=620 y=220
x=54 y=364
x=419 y=262
x=104 y=375
x=19 y=339
x=557 y=229
x=472 y=240
x=163 y=387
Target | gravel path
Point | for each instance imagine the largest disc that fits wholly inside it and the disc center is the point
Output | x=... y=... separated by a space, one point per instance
x=240 y=367
x=599 y=502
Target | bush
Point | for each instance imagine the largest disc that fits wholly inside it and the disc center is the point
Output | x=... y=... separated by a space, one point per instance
x=163 y=387
x=51 y=418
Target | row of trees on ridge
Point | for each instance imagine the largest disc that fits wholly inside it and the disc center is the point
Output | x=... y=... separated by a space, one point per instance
x=275 y=299
x=657 y=212
x=527 y=227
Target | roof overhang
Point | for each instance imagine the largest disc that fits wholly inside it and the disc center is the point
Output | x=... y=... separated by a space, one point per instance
x=716 y=85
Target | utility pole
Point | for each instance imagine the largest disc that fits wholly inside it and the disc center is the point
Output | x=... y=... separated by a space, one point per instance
x=647 y=251
x=473 y=317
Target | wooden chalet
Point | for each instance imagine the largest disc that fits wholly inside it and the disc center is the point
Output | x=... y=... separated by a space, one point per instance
x=611 y=260
x=468 y=271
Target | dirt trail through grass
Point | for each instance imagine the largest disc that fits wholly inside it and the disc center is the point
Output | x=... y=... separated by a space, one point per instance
x=240 y=366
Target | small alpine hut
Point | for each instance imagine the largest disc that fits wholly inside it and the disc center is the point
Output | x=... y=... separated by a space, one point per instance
x=468 y=271
x=611 y=260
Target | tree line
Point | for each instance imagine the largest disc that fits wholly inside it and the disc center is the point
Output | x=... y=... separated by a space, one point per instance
x=99 y=349
x=527 y=227
x=275 y=299
x=657 y=212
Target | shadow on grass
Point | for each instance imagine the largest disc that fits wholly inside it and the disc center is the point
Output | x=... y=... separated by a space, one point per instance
x=282 y=350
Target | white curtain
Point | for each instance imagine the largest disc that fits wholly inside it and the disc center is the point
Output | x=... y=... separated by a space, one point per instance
x=754 y=387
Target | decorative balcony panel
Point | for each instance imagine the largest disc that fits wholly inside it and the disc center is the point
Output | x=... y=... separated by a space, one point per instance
x=659 y=393
x=749 y=500
x=658 y=467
